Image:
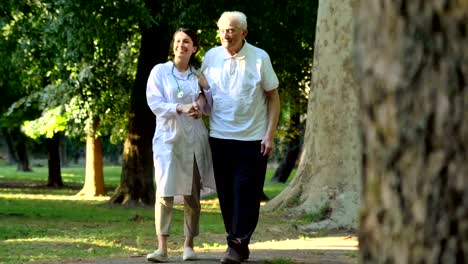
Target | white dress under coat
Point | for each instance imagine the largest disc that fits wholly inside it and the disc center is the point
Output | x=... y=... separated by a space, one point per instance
x=178 y=138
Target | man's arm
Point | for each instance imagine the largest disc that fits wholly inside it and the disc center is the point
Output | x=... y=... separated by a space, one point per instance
x=273 y=104
x=205 y=100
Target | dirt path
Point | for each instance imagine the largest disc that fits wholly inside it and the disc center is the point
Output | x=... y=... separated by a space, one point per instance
x=323 y=250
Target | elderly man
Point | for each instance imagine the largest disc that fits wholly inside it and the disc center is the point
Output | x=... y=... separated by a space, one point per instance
x=245 y=107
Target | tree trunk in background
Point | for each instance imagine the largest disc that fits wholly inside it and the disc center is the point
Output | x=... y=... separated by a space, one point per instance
x=12 y=159
x=137 y=183
x=412 y=58
x=64 y=161
x=328 y=177
x=94 y=179
x=22 y=154
x=53 y=158
x=293 y=150
x=17 y=148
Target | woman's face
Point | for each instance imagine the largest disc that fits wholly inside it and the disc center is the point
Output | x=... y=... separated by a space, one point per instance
x=183 y=45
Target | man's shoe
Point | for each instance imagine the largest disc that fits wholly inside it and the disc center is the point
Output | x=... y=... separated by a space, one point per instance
x=245 y=253
x=189 y=254
x=231 y=257
x=157 y=256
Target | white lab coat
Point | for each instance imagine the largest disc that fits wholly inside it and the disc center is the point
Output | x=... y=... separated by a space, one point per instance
x=178 y=138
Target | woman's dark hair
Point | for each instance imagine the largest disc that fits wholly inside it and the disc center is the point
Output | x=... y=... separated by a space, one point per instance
x=193 y=61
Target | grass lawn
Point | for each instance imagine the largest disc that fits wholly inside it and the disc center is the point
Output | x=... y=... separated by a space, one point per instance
x=50 y=224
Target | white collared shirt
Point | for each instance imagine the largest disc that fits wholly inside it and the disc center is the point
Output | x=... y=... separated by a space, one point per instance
x=238 y=84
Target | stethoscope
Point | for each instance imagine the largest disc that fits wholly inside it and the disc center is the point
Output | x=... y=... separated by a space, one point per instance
x=180 y=93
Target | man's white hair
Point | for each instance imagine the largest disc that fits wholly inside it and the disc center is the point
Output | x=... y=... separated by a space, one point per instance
x=237 y=16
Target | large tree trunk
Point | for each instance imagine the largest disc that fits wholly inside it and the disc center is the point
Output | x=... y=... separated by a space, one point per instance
x=137 y=184
x=53 y=156
x=94 y=178
x=412 y=58
x=328 y=177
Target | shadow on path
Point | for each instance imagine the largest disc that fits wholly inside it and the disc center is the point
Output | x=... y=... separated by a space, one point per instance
x=323 y=250
x=299 y=256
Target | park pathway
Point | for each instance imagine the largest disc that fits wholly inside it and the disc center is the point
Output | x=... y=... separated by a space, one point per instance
x=322 y=250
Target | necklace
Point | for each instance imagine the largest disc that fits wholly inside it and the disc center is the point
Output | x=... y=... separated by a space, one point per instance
x=180 y=93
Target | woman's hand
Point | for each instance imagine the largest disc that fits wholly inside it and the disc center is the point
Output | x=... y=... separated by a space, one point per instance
x=191 y=110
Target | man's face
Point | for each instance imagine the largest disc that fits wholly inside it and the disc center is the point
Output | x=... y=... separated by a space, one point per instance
x=231 y=36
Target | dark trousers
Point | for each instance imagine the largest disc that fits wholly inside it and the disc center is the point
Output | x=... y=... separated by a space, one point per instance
x=239 y=170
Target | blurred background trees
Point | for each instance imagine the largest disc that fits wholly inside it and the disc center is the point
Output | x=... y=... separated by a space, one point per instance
x=74 y=73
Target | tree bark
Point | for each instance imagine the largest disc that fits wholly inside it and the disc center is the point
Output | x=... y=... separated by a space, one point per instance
x=412 y=58
x=137 y=183
x=53 y=158
x=94 y=178
x=328 y=177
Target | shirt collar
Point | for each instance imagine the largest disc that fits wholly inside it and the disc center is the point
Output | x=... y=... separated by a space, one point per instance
x=240 y=55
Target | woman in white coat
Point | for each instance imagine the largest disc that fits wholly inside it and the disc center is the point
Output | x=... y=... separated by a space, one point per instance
x=182 y=157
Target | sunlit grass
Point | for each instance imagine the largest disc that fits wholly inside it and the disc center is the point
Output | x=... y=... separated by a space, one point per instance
x=51 y=224
x=80 y=229
x=70 y=197
x=53 y=248
x=57 y=224
x=70 y=175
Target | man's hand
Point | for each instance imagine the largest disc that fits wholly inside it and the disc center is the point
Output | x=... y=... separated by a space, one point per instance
x=267 y=146
x=273 y=116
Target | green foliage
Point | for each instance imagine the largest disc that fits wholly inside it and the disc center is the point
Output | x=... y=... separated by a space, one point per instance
x=100 y=41
x=50 y=123
x=286 y=30
x=82 y=55
x=352 y=255
x=80 y=52
x=322 y=214
x=15 y=65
